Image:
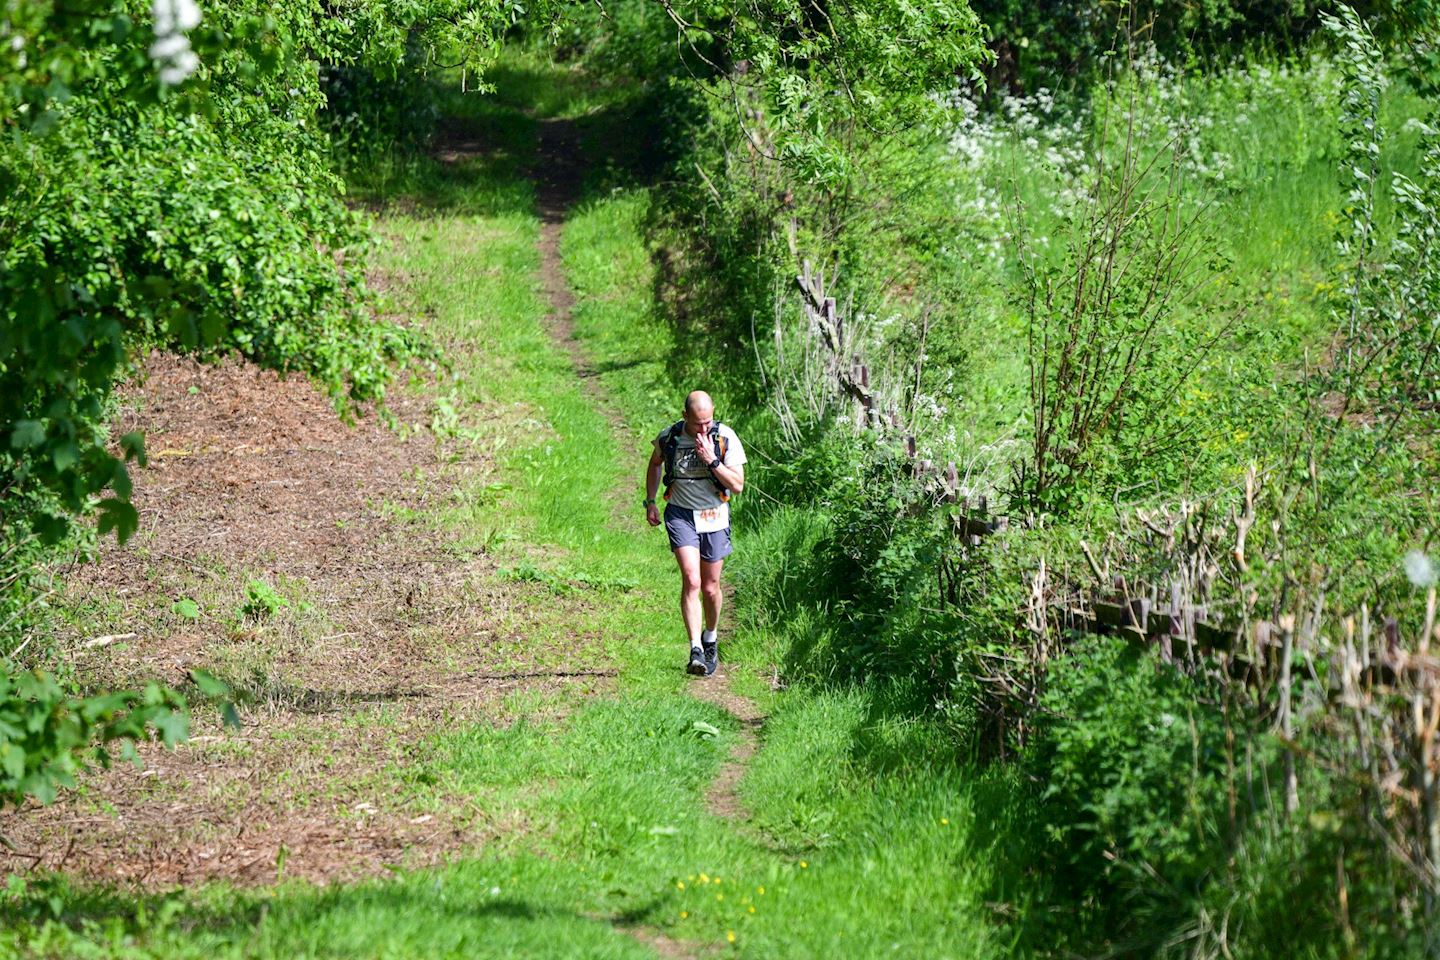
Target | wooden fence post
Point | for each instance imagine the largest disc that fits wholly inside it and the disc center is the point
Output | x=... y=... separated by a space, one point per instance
x=1287 y=646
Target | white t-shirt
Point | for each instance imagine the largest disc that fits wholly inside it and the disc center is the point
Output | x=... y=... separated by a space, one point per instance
x=694 y=487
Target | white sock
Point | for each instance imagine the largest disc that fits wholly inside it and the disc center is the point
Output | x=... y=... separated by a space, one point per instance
x=707 y=636
x=695 y=644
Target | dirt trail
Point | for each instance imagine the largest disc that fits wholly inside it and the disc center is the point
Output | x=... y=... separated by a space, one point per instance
x=558 y=176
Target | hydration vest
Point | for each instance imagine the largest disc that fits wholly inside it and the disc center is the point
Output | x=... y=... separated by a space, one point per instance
x=670 y=444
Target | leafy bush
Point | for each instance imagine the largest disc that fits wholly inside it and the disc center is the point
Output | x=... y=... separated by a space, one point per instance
x=47 y=736
x=1132 y=759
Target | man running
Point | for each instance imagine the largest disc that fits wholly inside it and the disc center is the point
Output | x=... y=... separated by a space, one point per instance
x=702 y=463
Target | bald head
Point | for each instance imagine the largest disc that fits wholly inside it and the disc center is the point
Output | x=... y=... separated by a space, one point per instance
x=698 y=404
x=699 y=413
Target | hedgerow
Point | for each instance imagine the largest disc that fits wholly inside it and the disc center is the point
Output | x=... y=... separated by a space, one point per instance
x=167 y=182
x=1109 y=306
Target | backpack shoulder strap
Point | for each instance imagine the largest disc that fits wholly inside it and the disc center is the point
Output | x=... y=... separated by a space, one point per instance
x=668 y=446
x=721 y=447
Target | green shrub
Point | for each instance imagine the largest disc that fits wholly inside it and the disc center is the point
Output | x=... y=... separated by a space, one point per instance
x=1132 y=762
x=47 y=736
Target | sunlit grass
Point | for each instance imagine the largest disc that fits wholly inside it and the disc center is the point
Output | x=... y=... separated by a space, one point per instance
x=611 y=794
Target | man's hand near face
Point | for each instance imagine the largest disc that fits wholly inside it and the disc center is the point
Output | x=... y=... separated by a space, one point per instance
x=705 y=449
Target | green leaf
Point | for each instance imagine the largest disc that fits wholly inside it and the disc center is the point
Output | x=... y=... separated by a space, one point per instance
x=213 y=326
x=65 y=456
x=208 y=685
x=12 y=760
x=133 y=444
x=119 y=516
x=190 y=610
x=705 y=730
x=173 y=727
x=120 y=481
x=27 y=434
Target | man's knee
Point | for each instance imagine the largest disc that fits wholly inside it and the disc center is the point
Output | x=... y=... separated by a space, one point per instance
x=689 y=582
x=712 y=590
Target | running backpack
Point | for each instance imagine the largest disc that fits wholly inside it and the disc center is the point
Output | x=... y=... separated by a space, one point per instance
x=670 y=444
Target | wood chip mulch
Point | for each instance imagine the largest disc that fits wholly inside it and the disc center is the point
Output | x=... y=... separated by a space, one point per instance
x=391 y=633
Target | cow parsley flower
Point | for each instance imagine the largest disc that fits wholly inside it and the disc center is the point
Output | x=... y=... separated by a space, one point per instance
x=171 y=49
x=1419 y=569
x=175 y=16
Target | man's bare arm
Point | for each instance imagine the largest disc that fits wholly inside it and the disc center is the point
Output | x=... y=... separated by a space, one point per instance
x=731 y=478
x=652 y=473
x=652 y=484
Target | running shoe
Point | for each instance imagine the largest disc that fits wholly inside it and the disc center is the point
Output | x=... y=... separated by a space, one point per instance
x=698 y=665
x=711 y=651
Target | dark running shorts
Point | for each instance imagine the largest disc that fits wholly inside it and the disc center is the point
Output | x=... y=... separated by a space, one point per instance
x=680 y=526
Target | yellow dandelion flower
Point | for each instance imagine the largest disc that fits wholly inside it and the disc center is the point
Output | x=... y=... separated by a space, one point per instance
x=684 y=914
x=752 y=908
x=704 y=878
x=944 y=821
x=680 y=884
x=718 y=880
x=804 y=865
x=730 y=935
x=719 y=896
x=760 y=890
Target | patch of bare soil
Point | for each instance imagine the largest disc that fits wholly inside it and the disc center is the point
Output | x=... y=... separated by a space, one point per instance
x=386 y=633
x=557 y=186
x=723 y=796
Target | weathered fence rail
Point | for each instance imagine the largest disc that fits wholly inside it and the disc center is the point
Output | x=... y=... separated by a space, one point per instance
x=1370 y=698
x=1151 y=614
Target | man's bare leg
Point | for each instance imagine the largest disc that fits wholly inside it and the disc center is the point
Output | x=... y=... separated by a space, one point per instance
x=690 y=608
x=710 y=595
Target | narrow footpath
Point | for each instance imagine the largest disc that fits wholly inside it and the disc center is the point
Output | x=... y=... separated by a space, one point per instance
x=559 y=175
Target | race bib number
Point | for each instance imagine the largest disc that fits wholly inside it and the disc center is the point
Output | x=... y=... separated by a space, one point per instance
x=712 y=519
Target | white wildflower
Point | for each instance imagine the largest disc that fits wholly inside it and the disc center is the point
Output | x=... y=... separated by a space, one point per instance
x=180 y=67
x=175 y=16
x=171 y=49
x=1419 y=569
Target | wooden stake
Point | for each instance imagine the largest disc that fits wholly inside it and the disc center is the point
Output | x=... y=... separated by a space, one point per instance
x=1287 y=644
